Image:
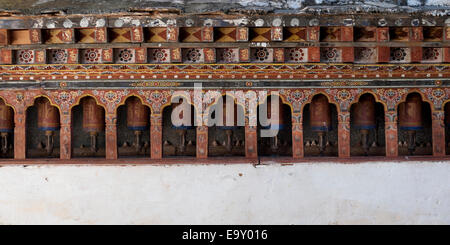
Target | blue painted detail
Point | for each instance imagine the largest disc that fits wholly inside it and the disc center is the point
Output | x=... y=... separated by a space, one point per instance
x=4 y=130
x=411 y=128
x=138 y=128
x=365 y=127
x=226 y=127
x=91 y=130
x=183 y=127
x=321 y=128
x=49 y=128
x=274 y=127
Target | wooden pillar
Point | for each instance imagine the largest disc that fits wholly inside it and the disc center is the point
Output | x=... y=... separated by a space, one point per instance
x=391 y=133
x=297 y=135
x=251 y=142
x=111 y=137
x=344 y=134
x=20 y=135
x=156 y=123
x=438 y=132
x=65 y=135
x=202 y=141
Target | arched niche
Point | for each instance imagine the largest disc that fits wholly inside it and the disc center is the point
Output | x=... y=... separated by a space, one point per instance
x=367 y=134
x=280 y=144
x=312 y=132
x=133 y=128
x=42 y=129
x=414 y=126
x=6 y=130
x=179 y=140
x=88 y=129
x=226 y=139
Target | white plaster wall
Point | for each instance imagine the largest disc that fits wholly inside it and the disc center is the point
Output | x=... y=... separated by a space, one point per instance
x=319 y=193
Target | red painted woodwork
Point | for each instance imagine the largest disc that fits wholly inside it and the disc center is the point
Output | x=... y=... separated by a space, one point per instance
x=4 y=37
x=416 y=54
x=344 y=134
x=297 y=136
x=383 y=34
x=313 y=33
x=156 y=136
x=251 y=142
x=417 y=34
x=438 y=134
x=391 y=132
x=313 y=54
x=5 y=56
x=383 y=54
x=346 y=33
x=348 y=54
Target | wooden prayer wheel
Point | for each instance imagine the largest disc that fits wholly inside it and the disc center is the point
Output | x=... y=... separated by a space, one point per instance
x=410 y=113
x=48 y=120
x=48 y=115
x=364 y=118
x=447 y=114
x=138 y=115
x=277 y=117
x=229 y=118
x=137 y=118
x=93 y=116
x=277 y=121
x=320 y=114
x=320 y=118
x=229 y=121
x=410 y=118
x=93 y=120
x=364 y=113
x=6 y=118
x=185 y=124
x=6 y=124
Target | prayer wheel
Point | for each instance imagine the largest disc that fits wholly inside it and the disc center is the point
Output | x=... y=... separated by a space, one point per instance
x=184 y=124
x=277 y=121
x=364 y=118
x=48 y=120
x=410 y=118
x=320 y=118
x=137 y=118
x=93 y=120
x=277 y=117
x=447 y=114
x=229 y=121
x=6 y=124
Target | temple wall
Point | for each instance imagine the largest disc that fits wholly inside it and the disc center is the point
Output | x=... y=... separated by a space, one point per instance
x=303 y=193
x=110 y=162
